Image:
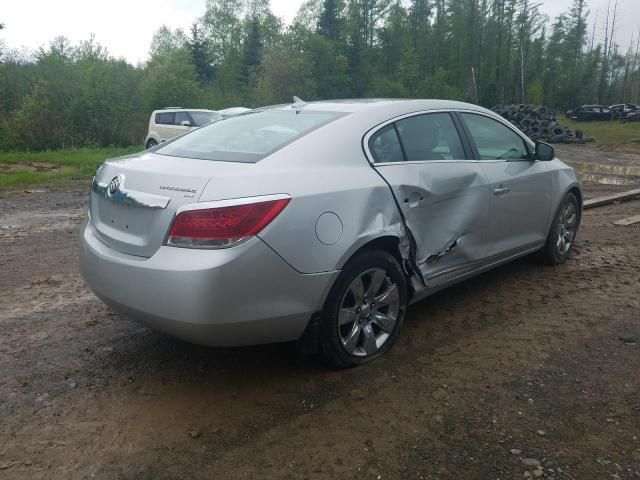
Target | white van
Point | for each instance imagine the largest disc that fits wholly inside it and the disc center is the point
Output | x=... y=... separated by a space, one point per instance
x=171 y=122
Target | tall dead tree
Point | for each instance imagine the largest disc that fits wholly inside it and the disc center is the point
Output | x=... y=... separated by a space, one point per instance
x=604 y=70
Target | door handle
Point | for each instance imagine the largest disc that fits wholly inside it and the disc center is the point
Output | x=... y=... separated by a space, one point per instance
x=501 y=191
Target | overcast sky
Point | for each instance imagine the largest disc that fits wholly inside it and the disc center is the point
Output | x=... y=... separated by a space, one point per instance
x=125 y=27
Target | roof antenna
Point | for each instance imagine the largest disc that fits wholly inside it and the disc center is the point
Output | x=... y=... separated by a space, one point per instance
x=298 y=102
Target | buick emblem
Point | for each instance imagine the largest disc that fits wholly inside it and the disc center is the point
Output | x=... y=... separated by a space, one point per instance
x=114 y=185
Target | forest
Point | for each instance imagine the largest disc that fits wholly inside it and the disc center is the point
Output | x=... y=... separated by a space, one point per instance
x=238 y=53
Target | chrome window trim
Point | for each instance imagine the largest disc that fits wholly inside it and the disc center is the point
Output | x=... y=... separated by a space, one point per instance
x=125 y=196
x=387 y=164
x=377 y=128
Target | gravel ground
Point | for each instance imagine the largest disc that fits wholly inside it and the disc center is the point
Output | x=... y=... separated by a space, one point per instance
x=526 y=371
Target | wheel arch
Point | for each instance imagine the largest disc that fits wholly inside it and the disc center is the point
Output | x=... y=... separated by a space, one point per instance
x=578 y=194
x=152 y=135
x=386 y=243
x=576 y=190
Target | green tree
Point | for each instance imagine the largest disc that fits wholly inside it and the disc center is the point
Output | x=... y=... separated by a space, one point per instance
x=252 y=50
x=329 y=68
x=284 y=73
x=199 y=56
x=575 y=40
x=166 y=40
x=420 y=13
x=222 y=24
x=330 y=23
x=171 y=80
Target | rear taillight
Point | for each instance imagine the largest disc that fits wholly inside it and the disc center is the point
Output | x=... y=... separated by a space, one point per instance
x=224 y=226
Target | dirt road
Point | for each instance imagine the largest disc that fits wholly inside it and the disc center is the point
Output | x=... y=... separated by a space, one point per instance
x=524 y=366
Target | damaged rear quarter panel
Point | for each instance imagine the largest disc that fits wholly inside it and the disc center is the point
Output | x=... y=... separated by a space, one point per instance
x=365 y=208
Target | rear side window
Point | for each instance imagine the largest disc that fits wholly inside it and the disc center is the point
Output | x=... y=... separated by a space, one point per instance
x=164 y=118
x=430 y=137
x=385 y=147
x=249 y=137
x=494 y=140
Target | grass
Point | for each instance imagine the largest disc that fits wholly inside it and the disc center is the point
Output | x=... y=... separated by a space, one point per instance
x=610 y=133
x=19 y=169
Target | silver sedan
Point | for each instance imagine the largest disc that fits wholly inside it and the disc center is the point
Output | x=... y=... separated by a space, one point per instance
x=320 y=222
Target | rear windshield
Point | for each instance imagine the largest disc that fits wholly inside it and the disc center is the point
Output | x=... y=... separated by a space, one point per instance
x=249 y=137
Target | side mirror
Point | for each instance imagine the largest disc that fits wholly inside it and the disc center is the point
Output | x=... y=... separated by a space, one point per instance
x=185 y=123
x=544 y=151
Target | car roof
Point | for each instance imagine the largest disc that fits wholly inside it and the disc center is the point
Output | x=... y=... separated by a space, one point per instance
x=369 y=104
x=171 y=110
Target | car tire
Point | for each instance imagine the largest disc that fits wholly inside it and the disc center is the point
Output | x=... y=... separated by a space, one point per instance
x=364 y=310
x=151 y=143
x=563 y=231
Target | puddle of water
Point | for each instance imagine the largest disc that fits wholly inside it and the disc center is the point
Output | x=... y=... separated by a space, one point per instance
x=607 y=174
x=608 y=179
x=29 y=219
x=584 y=167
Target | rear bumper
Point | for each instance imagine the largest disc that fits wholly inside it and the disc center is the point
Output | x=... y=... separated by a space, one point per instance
x=243 y=295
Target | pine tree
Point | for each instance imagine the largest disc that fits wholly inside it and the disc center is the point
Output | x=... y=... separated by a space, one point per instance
x=419 y=22
x=330 y=21
x=576 y=38
x=251 y=53
x=199 y=56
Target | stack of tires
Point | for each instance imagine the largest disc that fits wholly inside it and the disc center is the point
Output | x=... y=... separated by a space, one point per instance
x=537 y=122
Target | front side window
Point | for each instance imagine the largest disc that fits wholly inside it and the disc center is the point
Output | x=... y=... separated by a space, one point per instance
x=431 y=136
x=247 y=138
x=494 y=140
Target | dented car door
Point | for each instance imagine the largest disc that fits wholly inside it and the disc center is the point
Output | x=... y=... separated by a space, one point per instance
x=442 y=193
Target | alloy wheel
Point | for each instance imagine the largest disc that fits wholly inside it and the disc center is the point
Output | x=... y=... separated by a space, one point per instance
x=567 y=227
x=368 y=312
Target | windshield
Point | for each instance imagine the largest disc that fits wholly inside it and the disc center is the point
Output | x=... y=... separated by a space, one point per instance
x=249 y=137
x=200 y=118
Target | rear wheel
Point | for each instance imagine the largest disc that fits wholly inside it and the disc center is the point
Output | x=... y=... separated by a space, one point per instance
x=151 y=143
x=563 y=231
x=364 y=310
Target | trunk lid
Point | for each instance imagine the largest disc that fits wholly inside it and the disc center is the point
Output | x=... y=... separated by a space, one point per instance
x=134 y=198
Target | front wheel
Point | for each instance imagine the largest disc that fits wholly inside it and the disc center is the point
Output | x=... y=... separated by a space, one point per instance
x=563 y=231
x=151 y=143
x=364 y=310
